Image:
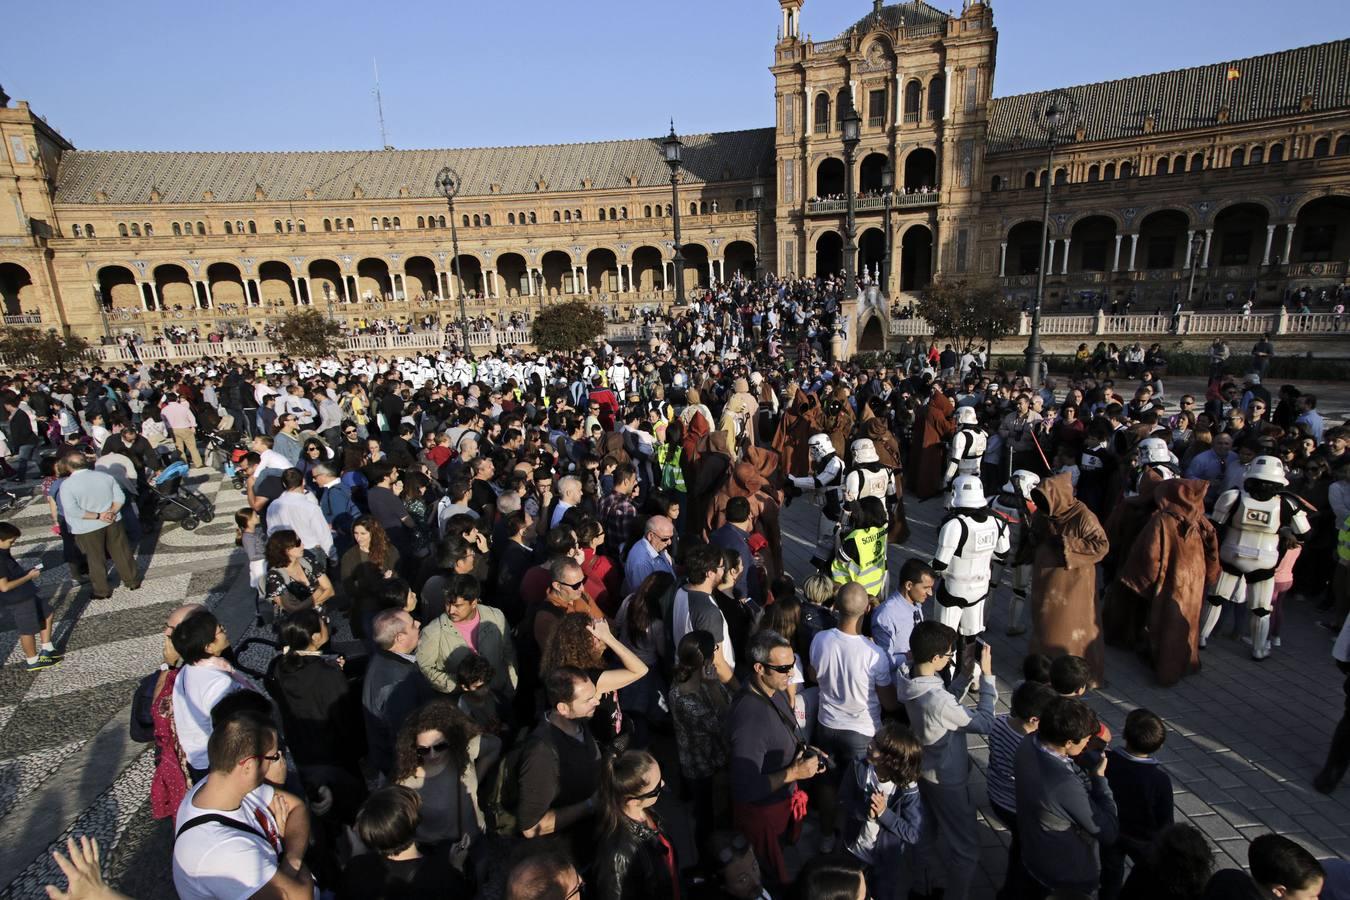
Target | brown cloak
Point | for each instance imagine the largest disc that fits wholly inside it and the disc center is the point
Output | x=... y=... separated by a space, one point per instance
x=1124 y=615
x=1174 y=557
x=800 y=420
x=714 y=461
x=744 y=480
x=929 y=452
x=1069 y=542
x=888 y=452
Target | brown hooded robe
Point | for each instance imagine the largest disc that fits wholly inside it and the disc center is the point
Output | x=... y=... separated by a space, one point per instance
x=888 y=452
x=800 y=420
x=1174 y=557
x=744 y=480
x=1069 y=542
x=1124 y=616
x=709 y=471
x=929 y=452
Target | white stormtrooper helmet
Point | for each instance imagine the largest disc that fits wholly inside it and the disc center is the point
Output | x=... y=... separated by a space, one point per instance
x=1022 y=483
x=819 y=446
x=864 y=451
x=965 y=415
x=1269 y=469
x=967 y=492
x=1153 y=450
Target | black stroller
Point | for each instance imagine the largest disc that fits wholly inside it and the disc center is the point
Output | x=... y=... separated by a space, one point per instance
x=177 y=502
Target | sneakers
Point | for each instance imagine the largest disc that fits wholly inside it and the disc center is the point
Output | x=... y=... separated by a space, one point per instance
x=52 y=654
x=42 y=662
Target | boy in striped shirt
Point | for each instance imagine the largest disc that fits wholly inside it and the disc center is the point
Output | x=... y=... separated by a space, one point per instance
x=1027 y=703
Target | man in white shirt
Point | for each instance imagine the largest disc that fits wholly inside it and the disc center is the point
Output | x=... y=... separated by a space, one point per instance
x=236 y=835
x=855 y=681
x=298 y=510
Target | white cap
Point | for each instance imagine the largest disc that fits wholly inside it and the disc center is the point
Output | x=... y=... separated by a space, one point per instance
x=967 y=492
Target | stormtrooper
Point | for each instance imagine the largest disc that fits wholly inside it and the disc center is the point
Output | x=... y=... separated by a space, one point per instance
x=868 y=477
x=1014 y=506
x=1152 y=454
x=829 y=475
x=969 y=541
x=1256 y=523
x=967 y=449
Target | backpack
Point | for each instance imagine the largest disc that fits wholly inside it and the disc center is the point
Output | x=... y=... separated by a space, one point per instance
x=503 y=798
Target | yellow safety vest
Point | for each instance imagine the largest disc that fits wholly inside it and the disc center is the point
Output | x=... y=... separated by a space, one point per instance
x=869 y=567
x=672 y=472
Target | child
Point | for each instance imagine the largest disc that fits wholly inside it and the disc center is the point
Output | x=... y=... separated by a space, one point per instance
x=1070 y=676
x=31 y=617
x=1066 y=460
x=250 y=535
x=476 y=699
x=1028 y=702
x=1284 y=580
x=1143 y=793
x=1036 y=667
x=880 y=797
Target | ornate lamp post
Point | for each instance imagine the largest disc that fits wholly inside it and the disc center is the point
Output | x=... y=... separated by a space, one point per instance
x=673 y=148
x=887 y=186
x=1197 y=245
x=448 y=183
x=851 y=125
x=1053 y=113
x=757 y=195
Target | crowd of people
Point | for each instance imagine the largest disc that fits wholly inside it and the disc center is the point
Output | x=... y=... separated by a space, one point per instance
x=536 y=637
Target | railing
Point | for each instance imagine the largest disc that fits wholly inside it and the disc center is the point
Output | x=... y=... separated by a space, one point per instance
x=1160 y=323
x=24 y=319
x=1066 y=324
x=1316 y=270
x=833 y=46
x=867 y=204
x=876 y=121
x=1233 y=323
x=1311 y=323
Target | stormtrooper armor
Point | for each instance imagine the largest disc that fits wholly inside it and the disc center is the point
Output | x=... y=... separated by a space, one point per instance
x=1014 y=506
x=868 y=477
x=968 y=445
x=969 y=541
x=1153 y=454
x=1252 y=521
x=828 y=477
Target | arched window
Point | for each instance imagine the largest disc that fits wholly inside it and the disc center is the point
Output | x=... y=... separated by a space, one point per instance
x=822 y=113
x=327 y=224
x=1342 y=148
x=135 y=230
x=1126 y=170
x=567 y=215
x=1237 y=158
x=669 y=211
x=1030 y=180
x=76 y=231
x=533 y=220
x=647 y=211
x=421 y=221
x=477 y=221
x=122 y=229
x=557 y=216
x=290 y=227
x=703 y=207
x=740 y=205
x=238 y=227
x=300 y=226
x=88 y=230
x=603 y=214
x=276 y=225
x=487 y=220
x=431 y=221
x=229 y=227
x=913 y=101
x=612 y=217
x=440 y=221
x=1276 y=153
x=1109 y=173
x=510 y=218
x=1162 y=167
x=1258 y=156
x=576 y=213
x=1061 y=176
x=623 y=212
x=340 y=226
x=187 y=228
x=384 y=223
x=253 y=226
x=1178 y=165
x=398 y=224
x=1094 y=174
x=1197 y=162
x=693 y=209
x=374 y=223
x=996 y=183
x=1040 y=179
x=937 y=89
x=1322 y=148
x=466 y=221
x=351 y=226
x=149 y=230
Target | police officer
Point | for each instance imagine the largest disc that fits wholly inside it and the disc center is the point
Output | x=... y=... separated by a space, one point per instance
x=969 y=541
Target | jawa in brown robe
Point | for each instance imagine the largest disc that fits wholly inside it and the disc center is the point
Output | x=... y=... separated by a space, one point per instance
x=744 y=480
x=838 y=420
x=888 y=453
x=1068 y=542
x=1174 y=557
x=709 y=471
x=1124 y=616
x=928 y=457
x=800 y=420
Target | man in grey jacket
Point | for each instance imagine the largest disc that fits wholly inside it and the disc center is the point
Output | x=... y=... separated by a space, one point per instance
x=1063 y=812
x=941 y=724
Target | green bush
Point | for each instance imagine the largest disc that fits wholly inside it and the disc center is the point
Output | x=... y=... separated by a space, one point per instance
x=567 y=326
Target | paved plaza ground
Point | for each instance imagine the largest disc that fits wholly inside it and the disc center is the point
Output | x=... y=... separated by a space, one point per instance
x=1244 y=740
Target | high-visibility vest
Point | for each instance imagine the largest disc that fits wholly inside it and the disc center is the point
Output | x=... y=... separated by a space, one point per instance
x=1343 y=542
x=868 y=567
x=672 y=473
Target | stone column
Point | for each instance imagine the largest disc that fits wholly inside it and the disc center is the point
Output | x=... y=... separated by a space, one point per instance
x=346 y=294
x=1049 y=250
x=1064 y=267
x=1002 y=259
x=1190 y=245
x=492 y=282
x=947 y=94
x=1270 y=239
x=585 y=280
x=309 y=288
x=1134 y=245
x=810 y=111
x=1288 y=243
x=295 y=286
x=1115 y=260
x=1204 y=257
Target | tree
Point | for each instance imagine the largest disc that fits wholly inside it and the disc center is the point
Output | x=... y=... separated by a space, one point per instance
x=45 y=349
x=567 y=326
x=966 y=314
x=308 y=333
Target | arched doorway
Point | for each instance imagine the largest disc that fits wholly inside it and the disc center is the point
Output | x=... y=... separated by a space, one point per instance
x=275 y=284
x=1092 y=246
x=511 y=271
x=421 y=273
x=15 y=286
x=174 y=287
x=830 y=178
x=916 y=258
x=372 y=280
x=469 y=272
x=920 y=170
x=1322 y=231
x=118 y=287
x=602 y=271
x=557 y=268
x=1024 y=249
x=226 y=283
x=740 y=259
x=869 y=173
x=829 y=254
x=1239 y=235
x=648 y=272
x=326 y=279
x=1162 y=236
x=872 y=337
x=696 y=264
x=871 y=252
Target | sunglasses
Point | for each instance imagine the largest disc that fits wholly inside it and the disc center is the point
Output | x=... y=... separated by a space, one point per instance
x=781 y=670
x=575 y=586
x=274 y=756
x=739 y=844
x=435 y=749
x=653 y=793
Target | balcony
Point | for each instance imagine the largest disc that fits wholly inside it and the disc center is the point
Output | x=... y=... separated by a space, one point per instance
x=822 y=128
x=25 y=319
x=876 y=121
x=870 y=204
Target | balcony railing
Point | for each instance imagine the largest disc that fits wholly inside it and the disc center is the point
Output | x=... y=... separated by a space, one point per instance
x=25 y=319
x=876 y=121
x=867 y=204
x=1160 y=323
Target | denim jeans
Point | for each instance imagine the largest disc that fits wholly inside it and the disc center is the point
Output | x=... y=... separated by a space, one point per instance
x=23 y=456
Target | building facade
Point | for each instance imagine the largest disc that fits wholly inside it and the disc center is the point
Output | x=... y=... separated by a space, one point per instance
x=1235 y=174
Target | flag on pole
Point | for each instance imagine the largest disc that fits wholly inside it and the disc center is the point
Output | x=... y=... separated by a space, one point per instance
x=1233 y=73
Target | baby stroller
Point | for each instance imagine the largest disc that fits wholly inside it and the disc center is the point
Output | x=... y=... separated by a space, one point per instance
x=222 y=448
x=177 y=502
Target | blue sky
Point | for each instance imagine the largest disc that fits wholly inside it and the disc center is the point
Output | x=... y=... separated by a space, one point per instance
x=297 y=75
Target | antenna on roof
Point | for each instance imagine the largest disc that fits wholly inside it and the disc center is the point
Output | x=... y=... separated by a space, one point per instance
x=379 y=106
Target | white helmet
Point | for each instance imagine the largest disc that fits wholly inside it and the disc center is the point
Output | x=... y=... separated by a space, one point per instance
x=820 y=446
x=1267 y=468
x=965 y=415
x=864 y=451
x=967 y=492
x=1022 y=483
x=1153 y=450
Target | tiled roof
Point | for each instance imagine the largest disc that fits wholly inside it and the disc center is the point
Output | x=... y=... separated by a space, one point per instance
x=912 y=14
x=129 y=177
x=1267 y=86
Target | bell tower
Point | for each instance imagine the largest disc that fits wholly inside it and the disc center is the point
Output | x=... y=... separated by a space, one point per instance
x=790 y=28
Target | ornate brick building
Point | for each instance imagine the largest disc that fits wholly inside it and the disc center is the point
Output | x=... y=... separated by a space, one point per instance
x=1236 y=172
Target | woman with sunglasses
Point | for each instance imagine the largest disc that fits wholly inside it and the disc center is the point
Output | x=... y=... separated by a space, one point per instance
x=635 y=858
x=440 y=754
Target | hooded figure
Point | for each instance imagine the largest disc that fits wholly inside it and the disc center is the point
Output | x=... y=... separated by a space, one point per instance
x=888 y=451
x=838 y=419
x=1123 y=614
x=1068 y=542
x=1174 y=557
x=929 y=452
x=708 y=471
x=744 y=480
x=801 y=419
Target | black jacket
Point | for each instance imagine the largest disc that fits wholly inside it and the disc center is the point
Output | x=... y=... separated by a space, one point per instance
x=21 y=432
x=631 y=863
x=394 y=687
x=318 y=710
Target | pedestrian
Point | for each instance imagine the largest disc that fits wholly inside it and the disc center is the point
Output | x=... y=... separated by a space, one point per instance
x=92 y=503
x=28 y=610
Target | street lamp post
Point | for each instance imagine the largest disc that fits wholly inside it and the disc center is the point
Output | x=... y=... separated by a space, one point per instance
x=888 y=186
x=673 y=148
x=1053 y=114
x=851 y=125
x=757 y=195
x=1197 y=244
x=448 y=183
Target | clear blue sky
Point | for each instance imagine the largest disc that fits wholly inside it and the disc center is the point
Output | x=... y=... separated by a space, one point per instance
x=249 y=75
